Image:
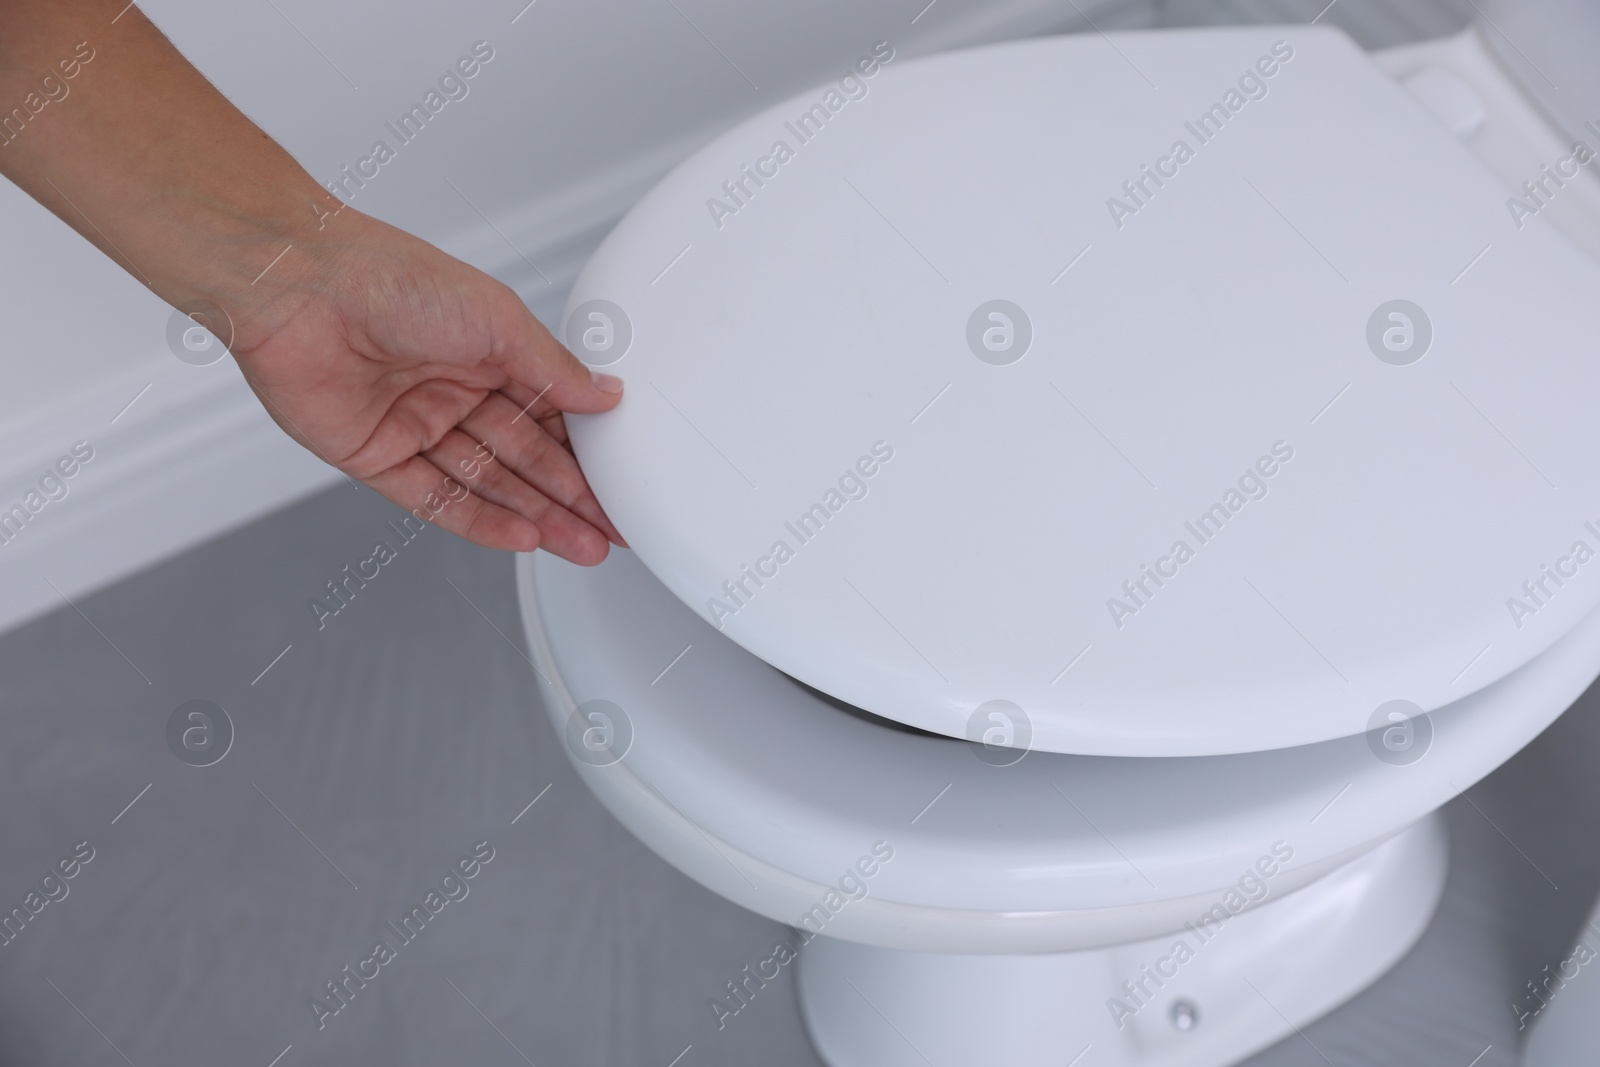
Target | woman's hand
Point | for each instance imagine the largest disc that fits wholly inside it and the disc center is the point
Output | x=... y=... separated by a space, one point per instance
x=398 y=364
x=432 y=383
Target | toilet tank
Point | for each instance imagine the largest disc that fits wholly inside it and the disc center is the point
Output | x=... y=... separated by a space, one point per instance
x=1550 y=45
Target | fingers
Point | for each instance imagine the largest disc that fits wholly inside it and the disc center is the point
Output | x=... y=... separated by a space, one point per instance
x=524 y=447
x=534 y=359
x=533 y=405
x=413 y=421
x=428 y=493
x=561 y=531
x=554 y=425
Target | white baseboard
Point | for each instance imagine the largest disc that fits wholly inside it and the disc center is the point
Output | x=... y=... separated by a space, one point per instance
x=211 y=461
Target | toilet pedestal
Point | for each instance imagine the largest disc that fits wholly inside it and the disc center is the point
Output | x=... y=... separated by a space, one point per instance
x=1258 y=977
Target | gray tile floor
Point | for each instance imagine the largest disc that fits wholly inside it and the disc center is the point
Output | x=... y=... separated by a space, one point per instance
x=376 y=752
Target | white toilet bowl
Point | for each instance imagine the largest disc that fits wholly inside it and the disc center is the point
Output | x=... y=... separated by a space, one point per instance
x=1182 y=826
x=1069 y=874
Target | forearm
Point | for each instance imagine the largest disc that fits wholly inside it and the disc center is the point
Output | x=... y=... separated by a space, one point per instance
x=108 y=126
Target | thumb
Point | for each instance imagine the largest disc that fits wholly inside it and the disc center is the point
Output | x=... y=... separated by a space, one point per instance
x=533 y=358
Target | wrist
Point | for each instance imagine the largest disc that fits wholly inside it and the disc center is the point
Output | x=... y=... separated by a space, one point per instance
x=259 y=256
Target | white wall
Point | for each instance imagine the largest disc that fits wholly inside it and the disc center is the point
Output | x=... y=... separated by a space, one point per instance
x=582 y=107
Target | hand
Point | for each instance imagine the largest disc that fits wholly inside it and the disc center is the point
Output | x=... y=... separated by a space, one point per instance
x=400 y=365
x=433 y=384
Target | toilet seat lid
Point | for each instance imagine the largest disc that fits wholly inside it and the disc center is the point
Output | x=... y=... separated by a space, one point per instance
x=985 y=406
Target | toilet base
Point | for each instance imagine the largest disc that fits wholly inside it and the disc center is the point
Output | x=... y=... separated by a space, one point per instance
x=1266 y=972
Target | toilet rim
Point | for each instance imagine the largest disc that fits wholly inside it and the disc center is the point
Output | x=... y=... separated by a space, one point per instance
x=1048 y=834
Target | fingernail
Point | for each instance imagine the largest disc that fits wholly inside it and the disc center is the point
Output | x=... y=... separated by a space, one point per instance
x=606 y=383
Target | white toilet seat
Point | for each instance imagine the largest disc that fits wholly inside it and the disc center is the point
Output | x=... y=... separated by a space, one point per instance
x=1377 y=565
x=766 y=794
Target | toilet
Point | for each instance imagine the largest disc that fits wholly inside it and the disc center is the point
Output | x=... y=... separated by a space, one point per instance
x=1092 y=500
